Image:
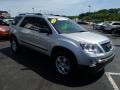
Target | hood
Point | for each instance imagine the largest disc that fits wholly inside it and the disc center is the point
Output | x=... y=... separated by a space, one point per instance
x=86 y=37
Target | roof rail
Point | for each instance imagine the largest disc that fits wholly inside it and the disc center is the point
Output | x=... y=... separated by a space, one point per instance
x=30 y=14
x=53 y=14
x=57 y=15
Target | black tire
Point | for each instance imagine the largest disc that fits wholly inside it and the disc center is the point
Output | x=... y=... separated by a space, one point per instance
x=104 y=31
x=15 y=47
x=113 y=31
x=102 y=28
x=119 y=33
x=71 y=61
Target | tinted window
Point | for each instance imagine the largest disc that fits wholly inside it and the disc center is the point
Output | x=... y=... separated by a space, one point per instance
x=3 y=23
x=34 y=23
x=66 y=25
x=17 y=19
x=25 y=21
x=116 y=23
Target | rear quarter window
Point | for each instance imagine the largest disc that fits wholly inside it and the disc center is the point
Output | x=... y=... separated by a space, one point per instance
x=16 y=20
x=116 y=23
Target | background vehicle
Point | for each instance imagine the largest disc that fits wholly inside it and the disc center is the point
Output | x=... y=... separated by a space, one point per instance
x=4 y=29
x=8 y=20
x=111 y=26
x=116 y=31
x=99 y=26
x=67 y=43
x=82 y=22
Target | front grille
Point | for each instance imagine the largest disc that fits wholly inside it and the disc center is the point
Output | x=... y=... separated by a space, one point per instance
x=106 y=46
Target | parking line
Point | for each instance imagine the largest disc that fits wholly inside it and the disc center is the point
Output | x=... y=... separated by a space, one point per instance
x=108 y=74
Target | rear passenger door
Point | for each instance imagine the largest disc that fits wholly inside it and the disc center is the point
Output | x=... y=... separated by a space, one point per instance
x=32 y=33
x=24 y=31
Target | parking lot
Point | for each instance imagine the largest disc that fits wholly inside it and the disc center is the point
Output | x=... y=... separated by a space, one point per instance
x=33 y=71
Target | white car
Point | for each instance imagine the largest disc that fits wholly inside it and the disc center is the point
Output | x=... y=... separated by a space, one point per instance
x=111 y=26
x=99 y=26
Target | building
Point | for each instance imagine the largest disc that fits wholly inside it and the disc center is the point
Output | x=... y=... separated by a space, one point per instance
x=4 y=14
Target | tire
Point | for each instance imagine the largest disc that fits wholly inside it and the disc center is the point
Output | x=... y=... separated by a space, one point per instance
x=15 y=47
x=116 y=32
x=64 y=63
x=119 y=33
x=113 y=31
x=105 y=31
x=102 y=28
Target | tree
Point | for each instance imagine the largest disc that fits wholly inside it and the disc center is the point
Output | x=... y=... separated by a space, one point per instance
x=101 y=15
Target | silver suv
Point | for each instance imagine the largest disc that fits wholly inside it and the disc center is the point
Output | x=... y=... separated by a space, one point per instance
x=67 y=43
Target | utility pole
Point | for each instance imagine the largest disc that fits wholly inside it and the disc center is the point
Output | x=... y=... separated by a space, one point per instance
x=9 y=15
x=40 y=11
x=89 y=8
x=33 y=10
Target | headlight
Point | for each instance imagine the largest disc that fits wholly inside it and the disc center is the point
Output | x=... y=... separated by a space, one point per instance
x=91 y=49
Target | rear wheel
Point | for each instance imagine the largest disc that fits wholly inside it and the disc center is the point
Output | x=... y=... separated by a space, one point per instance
x=113 y=31
x=14 y=45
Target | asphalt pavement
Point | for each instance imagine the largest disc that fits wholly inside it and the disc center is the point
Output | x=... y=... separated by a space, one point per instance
x=31 y=70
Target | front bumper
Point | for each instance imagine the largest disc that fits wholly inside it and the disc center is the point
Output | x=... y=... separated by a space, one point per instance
x=98 y=66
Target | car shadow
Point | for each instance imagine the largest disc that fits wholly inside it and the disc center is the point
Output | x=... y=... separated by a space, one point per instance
x=2 y=39
x=42 y=65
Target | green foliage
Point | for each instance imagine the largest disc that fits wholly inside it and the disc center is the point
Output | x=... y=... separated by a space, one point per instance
x=101 y=15
x=72 y=17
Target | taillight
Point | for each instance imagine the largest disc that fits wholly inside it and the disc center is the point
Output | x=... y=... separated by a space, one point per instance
x=4 y=29
x=1 y=29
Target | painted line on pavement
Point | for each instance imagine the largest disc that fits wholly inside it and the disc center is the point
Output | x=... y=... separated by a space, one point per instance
x=109 y=76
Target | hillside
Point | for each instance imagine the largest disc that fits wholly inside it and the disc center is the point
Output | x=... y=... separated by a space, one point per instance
x=102 y=15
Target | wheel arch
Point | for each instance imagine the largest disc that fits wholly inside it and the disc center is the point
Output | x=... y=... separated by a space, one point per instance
x=61 y=48
x=12 y=36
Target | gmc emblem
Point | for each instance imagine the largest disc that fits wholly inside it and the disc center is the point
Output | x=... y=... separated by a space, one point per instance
x=108 y=45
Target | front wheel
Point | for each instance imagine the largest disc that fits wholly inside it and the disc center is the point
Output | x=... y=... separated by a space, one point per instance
x=64 y=63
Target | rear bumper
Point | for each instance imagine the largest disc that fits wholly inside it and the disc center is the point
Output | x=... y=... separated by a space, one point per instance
x=98 y=66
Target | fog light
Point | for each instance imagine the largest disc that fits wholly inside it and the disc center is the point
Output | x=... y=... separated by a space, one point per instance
x=93 y=63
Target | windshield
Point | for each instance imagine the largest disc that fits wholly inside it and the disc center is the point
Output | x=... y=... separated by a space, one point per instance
x=2 y=22
x=66 y=25
x=8 y=21
x=101 y=23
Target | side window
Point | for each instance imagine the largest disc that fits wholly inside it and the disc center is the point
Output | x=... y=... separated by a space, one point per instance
x=16 y=20
x=25 y=22
x=39 y=23
x=35 y=23
x=116 y=23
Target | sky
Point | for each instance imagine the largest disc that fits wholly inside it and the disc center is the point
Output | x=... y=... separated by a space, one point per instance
x=61 y=7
